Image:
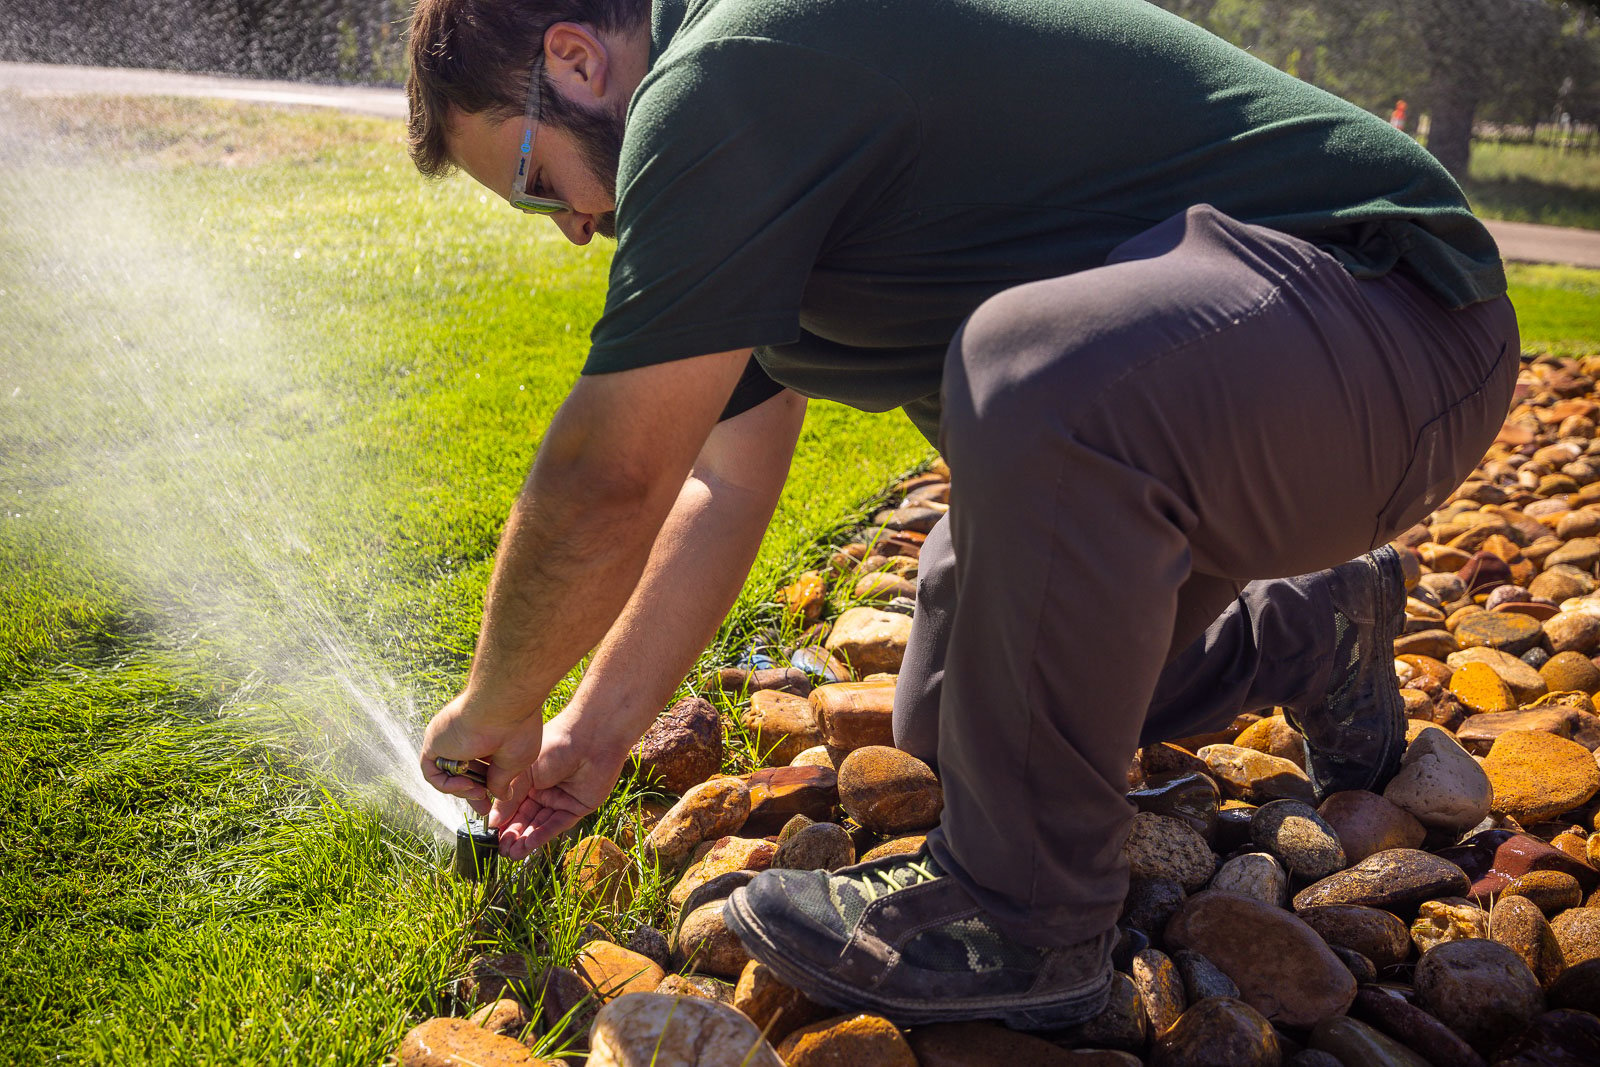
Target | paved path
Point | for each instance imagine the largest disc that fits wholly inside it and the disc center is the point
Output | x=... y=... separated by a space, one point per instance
x=1520 y=241
x=40 y=79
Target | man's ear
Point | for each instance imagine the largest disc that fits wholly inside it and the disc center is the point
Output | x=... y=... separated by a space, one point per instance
x=576 y=62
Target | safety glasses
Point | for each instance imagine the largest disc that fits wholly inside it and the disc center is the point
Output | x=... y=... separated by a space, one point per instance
x=521 y=199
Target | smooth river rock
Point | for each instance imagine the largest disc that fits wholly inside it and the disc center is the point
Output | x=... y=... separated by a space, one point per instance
x=1378 y=935
x=1216 y=1031
x=870 y=641
x=706 y=812
x=1397 y=880
x=667 y=1031
x=847 y=1039
x=1440 y=784
x=1254 y=874
x=889 y=791
x=1282 y=967
x=1255 y=776
x=1368 y=823
x=1480 y=989
x=1297 y=835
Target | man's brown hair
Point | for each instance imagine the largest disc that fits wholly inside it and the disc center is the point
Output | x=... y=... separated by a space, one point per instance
x=476 y=55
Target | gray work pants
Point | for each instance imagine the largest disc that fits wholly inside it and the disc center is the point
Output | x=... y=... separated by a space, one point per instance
x=1139 y=453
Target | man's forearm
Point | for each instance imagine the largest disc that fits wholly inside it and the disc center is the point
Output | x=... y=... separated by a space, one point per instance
x=563 y=571
x=695 y=572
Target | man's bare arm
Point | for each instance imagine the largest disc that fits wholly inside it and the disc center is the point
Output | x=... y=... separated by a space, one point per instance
x=694 y=575
x=608 y=472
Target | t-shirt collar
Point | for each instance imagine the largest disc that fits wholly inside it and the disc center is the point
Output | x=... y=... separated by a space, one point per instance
x=666 y=17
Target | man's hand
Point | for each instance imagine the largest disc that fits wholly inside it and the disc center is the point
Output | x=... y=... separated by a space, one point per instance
x=507 y=743
x=571 y=778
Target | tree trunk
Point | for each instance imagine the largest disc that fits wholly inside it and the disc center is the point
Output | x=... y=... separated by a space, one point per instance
x=1454 y=102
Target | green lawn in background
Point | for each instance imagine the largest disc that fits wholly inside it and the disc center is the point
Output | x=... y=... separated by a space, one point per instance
x=266 y=397
x=1535 y=183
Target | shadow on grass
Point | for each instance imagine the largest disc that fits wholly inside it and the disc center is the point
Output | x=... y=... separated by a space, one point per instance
x=1531 y=200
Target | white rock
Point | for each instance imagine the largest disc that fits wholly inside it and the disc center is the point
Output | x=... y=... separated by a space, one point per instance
x=1255 y=874
x=1440 y=783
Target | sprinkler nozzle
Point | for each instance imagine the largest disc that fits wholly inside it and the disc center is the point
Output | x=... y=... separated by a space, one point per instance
x=476 y=769
x=477 y=850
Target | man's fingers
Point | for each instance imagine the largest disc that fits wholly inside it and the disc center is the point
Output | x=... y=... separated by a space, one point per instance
x=508 y=803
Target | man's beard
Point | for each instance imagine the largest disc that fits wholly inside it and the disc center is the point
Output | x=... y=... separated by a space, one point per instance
x=598 y=135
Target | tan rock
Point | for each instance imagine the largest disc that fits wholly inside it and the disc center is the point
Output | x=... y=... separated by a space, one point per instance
x=708 y=811
x=1454 y=919
x=726 y=855
x=1538 y=776
x=612 y=970
x=1573 y=631
x=600 y=874
x=776 y=1008
x=822 y=846
x=1577 y=930
x=704 y=943
x=1571 y=671
x=870 y=640
x=1246 y=774
x=889 y=791
x=1274 y=736
x=1159 y=846
x=1219 y=1030
x=1378 y=935
x=458 y=1043
x=1517 y=923
x=847 y=1039
x=506 y=1017
x=904 y=845
x=666 y=1031
x=1440 y=784
x=815 y=756
x=781 y=726
x=852 y=715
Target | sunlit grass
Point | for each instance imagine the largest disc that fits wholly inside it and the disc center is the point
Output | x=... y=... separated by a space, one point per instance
x=366 y=361
x=1535 y=183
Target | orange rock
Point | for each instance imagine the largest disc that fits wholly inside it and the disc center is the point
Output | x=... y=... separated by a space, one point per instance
x=777 y=1009
x=458 y=1043
x=847 y=1041
x=781 y=726
x=804 y=598
x=613 y=970
x=1538 y=776
x=1274 y=736
x=724 y=856
x=1481 y=689
x=889 y=791
x=600 y=873
x=852 y=715
x=708 y=811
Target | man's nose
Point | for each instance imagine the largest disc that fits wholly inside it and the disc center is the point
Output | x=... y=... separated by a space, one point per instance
x=578 y=226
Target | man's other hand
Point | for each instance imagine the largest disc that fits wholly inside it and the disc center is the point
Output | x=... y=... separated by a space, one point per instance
x=571 y=778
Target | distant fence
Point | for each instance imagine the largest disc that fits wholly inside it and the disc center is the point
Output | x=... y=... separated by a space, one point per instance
x=305 y=40
x=1569 y=136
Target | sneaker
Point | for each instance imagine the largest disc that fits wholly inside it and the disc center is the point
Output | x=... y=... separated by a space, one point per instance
x=900 y=938
x=1356 y=734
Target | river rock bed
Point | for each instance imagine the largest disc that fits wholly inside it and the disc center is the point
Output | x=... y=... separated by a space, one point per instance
x=1452 y=920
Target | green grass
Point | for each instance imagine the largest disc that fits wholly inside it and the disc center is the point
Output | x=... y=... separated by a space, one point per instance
x=262 y=383
x=1535 y=183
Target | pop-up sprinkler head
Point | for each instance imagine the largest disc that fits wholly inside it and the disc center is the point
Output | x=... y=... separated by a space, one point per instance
x=477 y=850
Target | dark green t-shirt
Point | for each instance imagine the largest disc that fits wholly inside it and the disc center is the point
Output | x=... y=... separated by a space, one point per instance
x=839 y=183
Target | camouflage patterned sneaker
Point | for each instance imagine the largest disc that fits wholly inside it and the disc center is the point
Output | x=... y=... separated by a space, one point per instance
x=900 y=938
x=1355 y=735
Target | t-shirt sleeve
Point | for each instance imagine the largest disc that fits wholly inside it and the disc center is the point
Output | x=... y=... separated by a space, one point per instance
x=753 y=389
x=744 y=161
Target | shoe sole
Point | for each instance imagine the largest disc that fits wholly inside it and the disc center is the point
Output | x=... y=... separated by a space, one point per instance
x=1054 y=1012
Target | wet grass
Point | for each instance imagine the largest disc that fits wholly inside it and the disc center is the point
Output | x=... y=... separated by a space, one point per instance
x=308 y=350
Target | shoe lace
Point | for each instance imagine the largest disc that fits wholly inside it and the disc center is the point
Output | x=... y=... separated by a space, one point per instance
x=915 y=873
